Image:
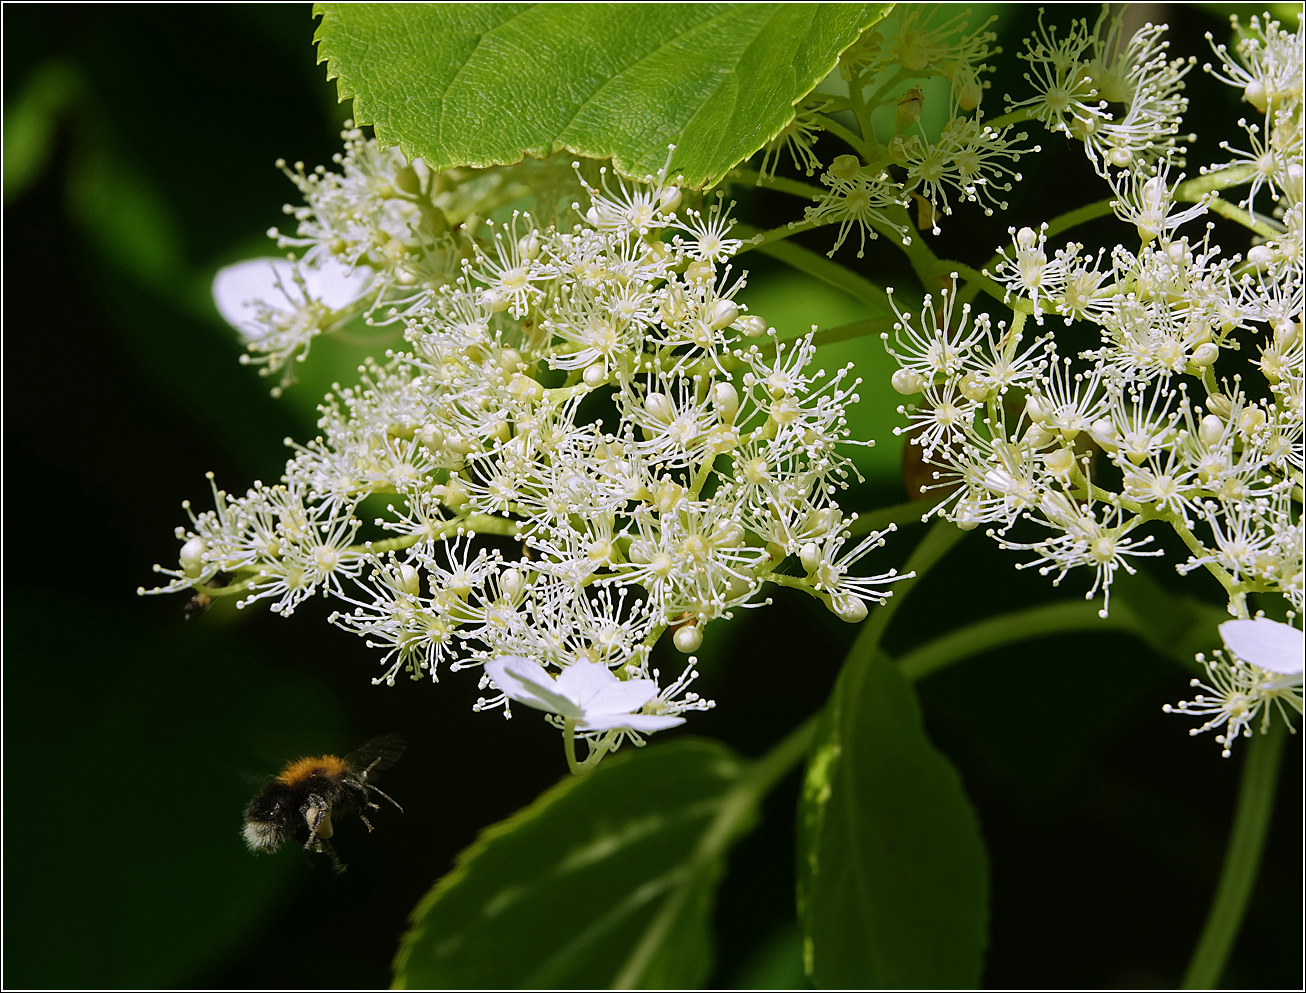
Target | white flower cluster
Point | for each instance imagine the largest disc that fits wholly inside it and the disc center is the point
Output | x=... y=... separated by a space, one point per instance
x=374 y=238
x=648 y=454
x=1189 y=414
x=1123 y=99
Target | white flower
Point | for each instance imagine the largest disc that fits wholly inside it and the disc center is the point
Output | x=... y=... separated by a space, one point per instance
x=1267 y=644
x=1262 y=674
x=239 y=288
x=279 y=306
x=585 y=692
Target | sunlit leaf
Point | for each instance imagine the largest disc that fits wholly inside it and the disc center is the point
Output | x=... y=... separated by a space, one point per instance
x=486 y=84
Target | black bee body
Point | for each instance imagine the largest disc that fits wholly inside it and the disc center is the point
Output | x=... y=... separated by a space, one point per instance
x=302 y=800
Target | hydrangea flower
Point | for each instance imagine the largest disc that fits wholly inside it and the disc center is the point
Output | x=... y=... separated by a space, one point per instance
x=586 y=693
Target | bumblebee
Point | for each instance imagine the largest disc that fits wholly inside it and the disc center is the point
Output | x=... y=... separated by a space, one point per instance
x=299 y=803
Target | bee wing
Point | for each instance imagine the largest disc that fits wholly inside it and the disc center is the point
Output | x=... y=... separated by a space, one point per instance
x=379 y=753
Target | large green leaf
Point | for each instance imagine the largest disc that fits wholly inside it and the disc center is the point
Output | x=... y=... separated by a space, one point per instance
x=605 y=881
x=485 y=84
x=893 y=880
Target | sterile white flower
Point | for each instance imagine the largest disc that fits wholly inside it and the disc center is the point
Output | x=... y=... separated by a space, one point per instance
x=585 y=692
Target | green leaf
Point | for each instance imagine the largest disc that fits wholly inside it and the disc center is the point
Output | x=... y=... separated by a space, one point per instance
x=606 y=880
x=486 y=84
x=893 y=880
x=30 y=123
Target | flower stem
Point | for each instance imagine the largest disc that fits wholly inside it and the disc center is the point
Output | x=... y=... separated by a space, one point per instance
x=1009 y=629
x=569 y=746
x=1242 y=859
x=828 y=271
x=902 y=514
x=938 y=541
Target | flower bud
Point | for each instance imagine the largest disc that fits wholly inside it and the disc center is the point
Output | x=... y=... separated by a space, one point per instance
x=1210 y=430
x=411 y=580
x=725 y=398
x=751 y=325
x=724 y=313
x=907 y=381
x=1219 y=404
x=1251 y=420
x=909 y=108
x=511 y=583
x=594 y=375
x=810 y=556
x=192 y=557
x=431 y=437
x=688 y=638
x=849 y=609
x=1060 y=461
x=845 y=167
x=700 y=270
x=659 y=407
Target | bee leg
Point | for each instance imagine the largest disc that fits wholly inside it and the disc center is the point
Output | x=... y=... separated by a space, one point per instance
x=336 y=865
x=317 y=815
x=387 y=796
x=363 y=817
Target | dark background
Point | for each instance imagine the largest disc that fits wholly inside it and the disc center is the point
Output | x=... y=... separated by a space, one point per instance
x=139 y=151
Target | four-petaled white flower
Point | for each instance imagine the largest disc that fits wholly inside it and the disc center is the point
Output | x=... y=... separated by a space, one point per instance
x=585 y=692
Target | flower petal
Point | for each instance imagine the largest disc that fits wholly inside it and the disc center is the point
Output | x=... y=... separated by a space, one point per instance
x=237 y=288
x=526 y=681
x=636 y=722
x=622 y=698
x=1266 y=643
x=582 y=682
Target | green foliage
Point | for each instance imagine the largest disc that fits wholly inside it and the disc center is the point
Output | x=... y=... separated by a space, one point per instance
x=30 y=123
x=605 y=881
x=893 y=880
x=486 y=84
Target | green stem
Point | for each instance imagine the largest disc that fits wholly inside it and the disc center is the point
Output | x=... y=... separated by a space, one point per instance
x=828 y=271
x=902 y=514
x=856 y=329
x=976 y=277
x=477 y=524
x=937 y=542
x=1239 y=215
x=1010 y=629
x=1078 y=216
x=1242 y=859
x=777 y=234
x=849 y=138
x=569 y=746
x=781 y=184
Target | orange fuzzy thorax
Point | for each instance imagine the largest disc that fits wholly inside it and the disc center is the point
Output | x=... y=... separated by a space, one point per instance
x=301 y=769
